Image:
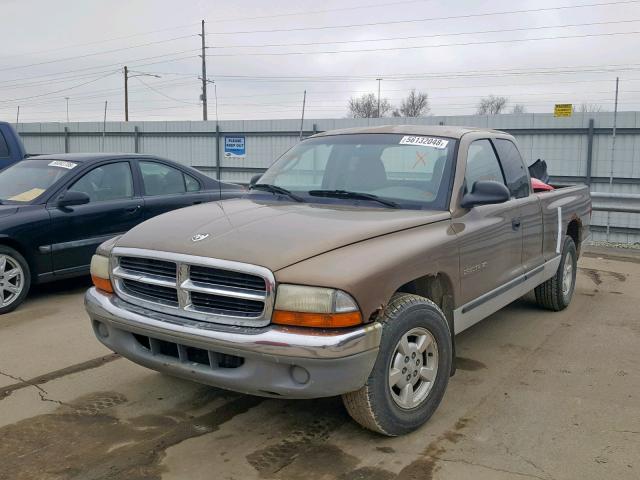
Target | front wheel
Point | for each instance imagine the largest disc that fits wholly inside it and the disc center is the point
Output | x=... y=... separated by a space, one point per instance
x=411 y=372
x=15 y=279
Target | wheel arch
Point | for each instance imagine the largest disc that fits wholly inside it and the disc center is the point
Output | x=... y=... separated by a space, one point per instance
x=437 y=287
x=574 y=230
x=13 y=243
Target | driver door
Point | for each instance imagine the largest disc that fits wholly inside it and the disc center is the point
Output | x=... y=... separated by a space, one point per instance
x=113 y=209
x=490 y=235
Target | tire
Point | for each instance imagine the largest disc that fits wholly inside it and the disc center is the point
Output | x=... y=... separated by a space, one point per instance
x=555 y=294
x=13 y=288
x=377 y=405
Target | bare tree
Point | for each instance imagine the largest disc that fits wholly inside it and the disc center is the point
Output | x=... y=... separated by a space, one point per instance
x=366 y=106
x=492 y=105
x=518 y=108
x=589 y=108
x=415 y=105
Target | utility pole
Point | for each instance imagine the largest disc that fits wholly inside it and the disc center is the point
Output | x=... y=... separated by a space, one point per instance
x=204 y=76
x=127 y=76
x=304 y=101
x=18 y=116
x=67 y=99
x=379 y=80
x=104 y=125
x=215 y=94
x=126 y=94
x=613 y=151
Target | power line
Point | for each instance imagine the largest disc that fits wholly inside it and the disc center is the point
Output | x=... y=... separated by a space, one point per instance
x=225 y=20
x=164 y=94
x=415 y=47
x=314 y=12
x=104 y=52
x=118 y=64
x=58 y=91
x=429 y=19
x=85 y=44
x=412 y=37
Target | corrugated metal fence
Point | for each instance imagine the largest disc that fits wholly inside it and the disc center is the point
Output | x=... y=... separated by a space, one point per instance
x=577 y=149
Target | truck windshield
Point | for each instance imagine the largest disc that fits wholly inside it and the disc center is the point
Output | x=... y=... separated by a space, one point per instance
x=398 y=171
x=26 y=180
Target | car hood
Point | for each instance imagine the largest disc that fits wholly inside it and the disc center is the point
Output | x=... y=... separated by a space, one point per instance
x=6 y=210
x=271 y=234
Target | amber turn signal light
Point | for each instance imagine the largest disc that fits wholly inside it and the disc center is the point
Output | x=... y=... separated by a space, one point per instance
x=317 y=320
x=103 y=284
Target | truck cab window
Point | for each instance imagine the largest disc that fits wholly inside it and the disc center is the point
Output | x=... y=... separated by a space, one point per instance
x=513 y=167
x=482 y=164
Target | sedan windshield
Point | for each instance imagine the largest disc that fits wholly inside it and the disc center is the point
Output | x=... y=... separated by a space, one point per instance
x=385 y=170
x=26 y=180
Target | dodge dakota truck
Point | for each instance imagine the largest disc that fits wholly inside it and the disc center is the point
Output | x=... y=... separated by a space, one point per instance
x=347 y=269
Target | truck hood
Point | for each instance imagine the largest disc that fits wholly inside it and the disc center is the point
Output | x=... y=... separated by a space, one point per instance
x=271 y=234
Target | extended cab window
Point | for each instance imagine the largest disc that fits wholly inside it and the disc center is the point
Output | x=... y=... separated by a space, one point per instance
x=107 y=182
x=160 y=179
x=513 y=167
x=482 y=164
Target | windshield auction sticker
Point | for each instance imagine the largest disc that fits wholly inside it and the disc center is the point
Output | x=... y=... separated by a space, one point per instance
x=62 y=164
x=425 y=141
x=27 y=196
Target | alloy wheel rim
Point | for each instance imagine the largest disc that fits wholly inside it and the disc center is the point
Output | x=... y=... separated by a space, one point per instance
x=11 y=280
x=567 y=275
x=413 y=368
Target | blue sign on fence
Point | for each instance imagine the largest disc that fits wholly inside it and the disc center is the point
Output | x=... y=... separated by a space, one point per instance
x=234 y=147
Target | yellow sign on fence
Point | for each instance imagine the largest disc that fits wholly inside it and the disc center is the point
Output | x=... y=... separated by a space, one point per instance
x=562 y=110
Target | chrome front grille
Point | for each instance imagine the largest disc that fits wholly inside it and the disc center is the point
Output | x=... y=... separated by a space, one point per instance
x=206 y=289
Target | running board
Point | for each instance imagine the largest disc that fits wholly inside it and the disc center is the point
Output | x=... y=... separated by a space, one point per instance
x=471 y=313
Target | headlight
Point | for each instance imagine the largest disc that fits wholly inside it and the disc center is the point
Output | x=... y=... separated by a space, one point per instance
x=100 y=273
x=315 y=307
x=105 y=247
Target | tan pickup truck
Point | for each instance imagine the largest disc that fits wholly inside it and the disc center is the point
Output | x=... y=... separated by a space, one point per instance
x=347 y=269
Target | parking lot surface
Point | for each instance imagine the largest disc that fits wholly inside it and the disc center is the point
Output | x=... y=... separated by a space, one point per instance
x=537 y=395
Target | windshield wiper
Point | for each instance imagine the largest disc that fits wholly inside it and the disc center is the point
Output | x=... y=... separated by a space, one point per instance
x=353 y=195
x=275 y=189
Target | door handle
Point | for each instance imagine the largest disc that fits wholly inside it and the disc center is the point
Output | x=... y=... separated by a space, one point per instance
x=515 y=223
x=132 y=210
x=197 y=202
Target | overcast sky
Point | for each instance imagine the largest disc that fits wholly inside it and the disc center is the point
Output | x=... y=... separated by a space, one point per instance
x=77 y=48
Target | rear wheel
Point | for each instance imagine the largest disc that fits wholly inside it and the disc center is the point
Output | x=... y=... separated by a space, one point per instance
x=411 y=371
x=556 y=293
x=15 y=279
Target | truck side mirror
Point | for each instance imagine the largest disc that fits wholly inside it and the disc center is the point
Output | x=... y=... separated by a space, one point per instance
x=255 y=179
x=71 y=199
x=486 y=192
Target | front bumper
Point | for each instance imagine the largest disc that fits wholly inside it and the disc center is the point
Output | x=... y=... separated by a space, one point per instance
x=271 y=361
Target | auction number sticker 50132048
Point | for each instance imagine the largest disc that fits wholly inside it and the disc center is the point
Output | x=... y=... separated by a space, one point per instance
x=433 y=142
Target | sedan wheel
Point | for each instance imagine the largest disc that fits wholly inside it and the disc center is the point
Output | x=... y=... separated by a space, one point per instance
x=15 y=279
x=11 y=280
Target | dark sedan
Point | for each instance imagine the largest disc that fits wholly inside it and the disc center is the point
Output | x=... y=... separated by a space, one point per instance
x=56 y=209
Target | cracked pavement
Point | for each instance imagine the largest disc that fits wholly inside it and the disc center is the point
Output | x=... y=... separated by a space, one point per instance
x=538 y=395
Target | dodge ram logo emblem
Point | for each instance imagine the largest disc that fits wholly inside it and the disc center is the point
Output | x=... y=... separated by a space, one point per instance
x=199 y=236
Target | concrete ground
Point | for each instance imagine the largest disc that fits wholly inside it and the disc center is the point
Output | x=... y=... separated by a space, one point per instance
x=537 y=395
